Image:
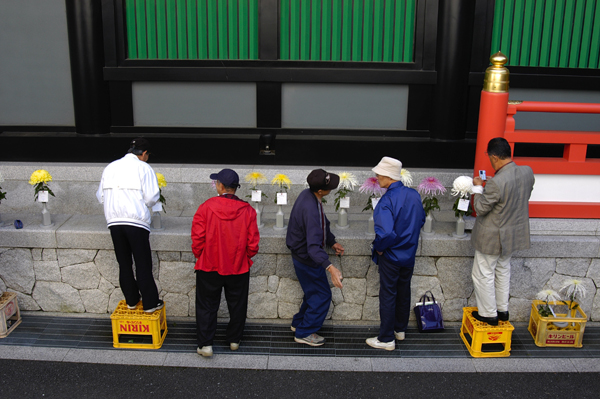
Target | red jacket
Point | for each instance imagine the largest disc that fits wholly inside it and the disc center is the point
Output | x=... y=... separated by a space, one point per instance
x=225 y=235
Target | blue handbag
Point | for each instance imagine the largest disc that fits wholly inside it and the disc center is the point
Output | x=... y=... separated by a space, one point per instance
x=429 y=314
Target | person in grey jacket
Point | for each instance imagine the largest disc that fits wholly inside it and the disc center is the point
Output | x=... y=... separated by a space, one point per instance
x=501 y=228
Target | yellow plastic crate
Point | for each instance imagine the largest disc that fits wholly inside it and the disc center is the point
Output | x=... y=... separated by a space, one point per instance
x=483 y=334
x=10 y=315
x=546 y=333
x=138 y=322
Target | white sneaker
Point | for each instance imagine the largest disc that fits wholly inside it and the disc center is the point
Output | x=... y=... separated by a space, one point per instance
x=375 y=343
x=205 y=351
x=399 y=335
x=293 y=328
x=234 y=346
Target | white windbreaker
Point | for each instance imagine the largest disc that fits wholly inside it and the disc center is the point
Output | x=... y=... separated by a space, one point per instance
x=127 y=189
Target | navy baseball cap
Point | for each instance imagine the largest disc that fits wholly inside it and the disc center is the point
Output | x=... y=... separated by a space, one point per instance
x=228 y=177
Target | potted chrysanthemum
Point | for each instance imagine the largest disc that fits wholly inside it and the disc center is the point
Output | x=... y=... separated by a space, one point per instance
x=2 y=196
x=160 y=205
x=342 y=199
x=40 y=179
x=462 y=188
x=556 y=321
x=284 y=183
x=374 y=191
x=256 y=178
x=430 y=188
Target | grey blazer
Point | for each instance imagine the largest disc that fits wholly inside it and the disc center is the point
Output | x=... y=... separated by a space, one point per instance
x=502 y=223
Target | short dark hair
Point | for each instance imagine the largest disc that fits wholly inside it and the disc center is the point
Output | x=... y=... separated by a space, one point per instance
x=135 y=151
x=228 y=188
x=499 y=147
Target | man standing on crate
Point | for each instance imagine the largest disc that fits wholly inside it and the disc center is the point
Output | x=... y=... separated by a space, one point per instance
x=128 y=189
x=398 y=216
x=224 y=239
x=501 y=228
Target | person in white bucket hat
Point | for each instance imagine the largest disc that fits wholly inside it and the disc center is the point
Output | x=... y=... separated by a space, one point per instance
x=389 y=167
x=398 y=217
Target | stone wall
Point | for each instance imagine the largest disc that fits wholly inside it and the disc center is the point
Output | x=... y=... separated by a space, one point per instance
x=86 y=280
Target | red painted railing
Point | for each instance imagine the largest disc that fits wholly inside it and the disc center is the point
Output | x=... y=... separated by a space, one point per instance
x=495 y=106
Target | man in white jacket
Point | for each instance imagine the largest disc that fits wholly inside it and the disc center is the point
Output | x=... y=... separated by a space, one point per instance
x=128 y=189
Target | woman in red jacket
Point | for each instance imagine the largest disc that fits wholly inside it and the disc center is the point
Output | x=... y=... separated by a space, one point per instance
x=224 y=239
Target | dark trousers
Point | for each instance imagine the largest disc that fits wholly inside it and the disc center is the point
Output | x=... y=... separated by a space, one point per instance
x=394 y=298
x=133 y=241
x=316 y=301
x=208 y=297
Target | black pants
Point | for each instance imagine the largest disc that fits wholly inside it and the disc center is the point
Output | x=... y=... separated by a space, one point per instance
x=208 y=297
x=394 y=298
x=133 y=241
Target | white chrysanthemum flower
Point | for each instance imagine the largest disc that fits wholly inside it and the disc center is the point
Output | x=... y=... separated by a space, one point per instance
x=347 y=181
x=406 y=177
x=463 y=186
x=548 y=296
x=573 y=288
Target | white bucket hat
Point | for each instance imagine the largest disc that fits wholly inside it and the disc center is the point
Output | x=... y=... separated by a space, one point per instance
x=389 y=167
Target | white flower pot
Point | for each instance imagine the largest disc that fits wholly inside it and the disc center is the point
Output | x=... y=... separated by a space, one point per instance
x=157 y=221
x=460 y=228
x=428 y=226
x=342 y=222
x=279 y=219
x=258 y=210
x=46 y=217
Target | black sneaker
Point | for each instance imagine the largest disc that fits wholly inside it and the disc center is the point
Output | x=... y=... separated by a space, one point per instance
x=158 y=306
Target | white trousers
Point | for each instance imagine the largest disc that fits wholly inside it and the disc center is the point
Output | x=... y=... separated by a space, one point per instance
x=491 y=280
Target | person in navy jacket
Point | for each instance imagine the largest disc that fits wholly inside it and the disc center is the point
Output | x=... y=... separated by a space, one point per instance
x=398 y=216
x=308 y=236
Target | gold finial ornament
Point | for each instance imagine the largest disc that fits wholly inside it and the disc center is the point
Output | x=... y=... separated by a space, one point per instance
x=497 y=76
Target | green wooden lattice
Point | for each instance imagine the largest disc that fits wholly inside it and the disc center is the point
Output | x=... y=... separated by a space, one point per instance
x=548 y=33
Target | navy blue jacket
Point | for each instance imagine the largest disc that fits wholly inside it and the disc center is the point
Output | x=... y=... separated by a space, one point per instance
x=305 y=234
x=398 y=216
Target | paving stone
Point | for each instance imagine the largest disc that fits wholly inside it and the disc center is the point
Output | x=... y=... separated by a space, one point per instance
x=107 y=265
x=258 y=284
x=262 y=305
x=47 y=270
x=354 y=290
x=528 y=276
x=273 y=284
x=176 y=304
x=68 y=257
x=371 y=309
x=57 y=297
x=573 y=266
x=16 y=270
x=177 y=277
x=94 y=301
x=81 y=276
x=264 y=265
x=425 y=266
x=347 y=311
x=355 y=266
x=455 y=276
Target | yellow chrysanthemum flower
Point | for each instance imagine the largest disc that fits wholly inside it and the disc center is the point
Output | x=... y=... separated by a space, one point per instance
x=40 y=176
x=255 y=178
x=162 y=182
x=281 y=180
